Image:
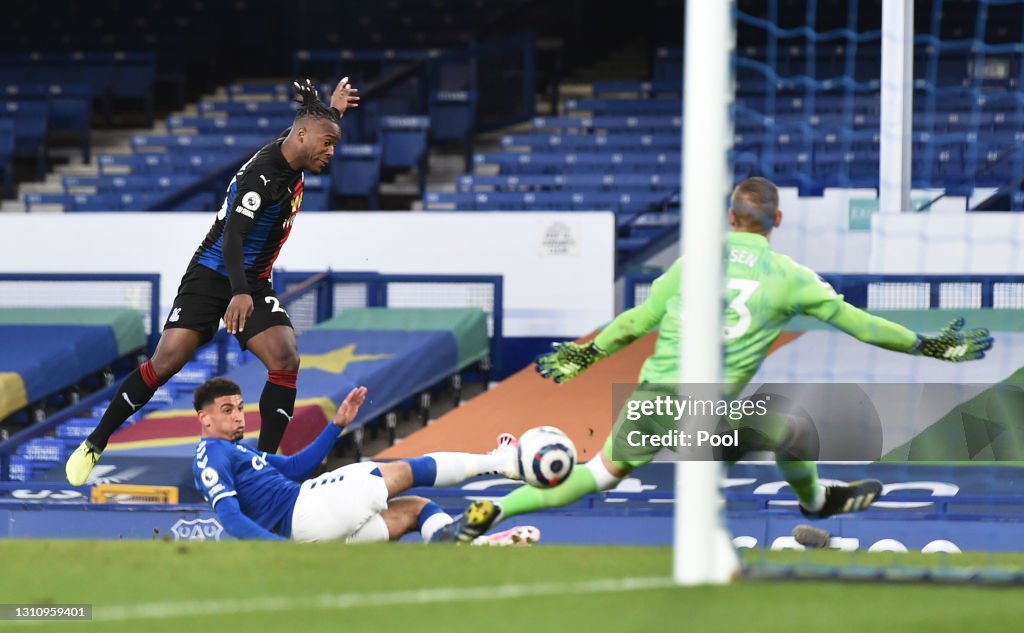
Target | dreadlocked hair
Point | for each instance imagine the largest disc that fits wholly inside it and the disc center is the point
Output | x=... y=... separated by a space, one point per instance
x=317 y=110
x=312 y=107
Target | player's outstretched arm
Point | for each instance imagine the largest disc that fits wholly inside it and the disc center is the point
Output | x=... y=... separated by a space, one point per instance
x=568 y=360
x=951 y=344
x=299 y=466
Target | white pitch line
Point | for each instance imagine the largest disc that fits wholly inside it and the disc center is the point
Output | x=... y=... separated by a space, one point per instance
x=167 y=610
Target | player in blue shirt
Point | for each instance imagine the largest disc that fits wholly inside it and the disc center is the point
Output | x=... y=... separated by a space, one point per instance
x=267 y=496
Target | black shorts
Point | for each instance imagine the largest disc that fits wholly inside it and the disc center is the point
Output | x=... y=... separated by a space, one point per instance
x=203 y=298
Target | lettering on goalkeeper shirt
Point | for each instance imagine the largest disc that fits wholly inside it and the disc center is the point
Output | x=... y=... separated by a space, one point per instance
x=742 y=256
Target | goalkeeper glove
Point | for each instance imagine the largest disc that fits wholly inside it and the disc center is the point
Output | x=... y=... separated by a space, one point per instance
x=953 y=344
x=568 y=360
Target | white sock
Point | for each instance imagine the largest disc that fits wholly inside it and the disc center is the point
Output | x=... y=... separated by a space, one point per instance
x=605 y=480
x=434 y=523
x=819 y=500
x=454 y=468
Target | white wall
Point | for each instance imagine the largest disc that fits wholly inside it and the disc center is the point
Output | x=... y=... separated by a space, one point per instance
x=558 y=267
x=816 y=231
x=989 y=243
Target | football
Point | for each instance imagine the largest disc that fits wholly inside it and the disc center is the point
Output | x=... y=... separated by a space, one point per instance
x=546 y=456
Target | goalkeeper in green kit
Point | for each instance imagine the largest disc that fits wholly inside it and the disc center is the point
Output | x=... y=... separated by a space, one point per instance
x=764 y=291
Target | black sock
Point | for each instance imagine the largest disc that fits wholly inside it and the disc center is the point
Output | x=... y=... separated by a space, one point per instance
x=277 y=405
x=131 y=396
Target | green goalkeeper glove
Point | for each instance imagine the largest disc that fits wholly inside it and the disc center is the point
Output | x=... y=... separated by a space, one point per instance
x=953 y=344
x=568 y=360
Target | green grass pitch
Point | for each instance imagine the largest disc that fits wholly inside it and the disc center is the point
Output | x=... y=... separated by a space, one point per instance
x=233 y=586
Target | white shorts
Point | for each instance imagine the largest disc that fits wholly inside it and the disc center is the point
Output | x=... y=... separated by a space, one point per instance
x=342 y=505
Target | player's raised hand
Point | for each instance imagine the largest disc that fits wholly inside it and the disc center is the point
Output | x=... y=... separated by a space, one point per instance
x=344 y=96
x=953 y=344
x=238 y=312
x=349 y=407
x=568 y=360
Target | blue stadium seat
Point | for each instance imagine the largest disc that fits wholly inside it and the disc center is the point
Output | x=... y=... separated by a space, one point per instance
x=31 y=123
x=71 y=111
x=618 y=142
x=598 y=181
x=404 y=144
x=668 y=64
x=251 y=108
x=235 y=124
x=445 y=201
x=270 y=91
x=7 y=155
x=133 y=76
x=625 y=106
x=356 y=172
x=453 y=118
x=645 y=123
x=638 y=89
x=316 y=191
x=616 y=163
x=115 y=164
x=200 y=142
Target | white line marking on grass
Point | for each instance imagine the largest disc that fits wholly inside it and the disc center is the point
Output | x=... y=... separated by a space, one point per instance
x=167 y=610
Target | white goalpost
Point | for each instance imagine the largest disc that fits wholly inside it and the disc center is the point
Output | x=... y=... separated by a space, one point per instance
x=702 y=549
x=897 y=95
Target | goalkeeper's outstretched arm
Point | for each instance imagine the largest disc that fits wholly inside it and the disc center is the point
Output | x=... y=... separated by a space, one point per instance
x=638 y=321
x=568 y=360
x=951 y=344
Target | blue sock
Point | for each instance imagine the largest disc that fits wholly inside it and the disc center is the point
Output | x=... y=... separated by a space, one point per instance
x=424 y=472
x=431 y=519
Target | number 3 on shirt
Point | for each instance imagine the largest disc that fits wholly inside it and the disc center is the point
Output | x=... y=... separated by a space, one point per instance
x=746 y=289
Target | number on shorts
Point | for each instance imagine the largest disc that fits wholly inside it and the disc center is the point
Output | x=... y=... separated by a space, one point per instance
x=273 y=301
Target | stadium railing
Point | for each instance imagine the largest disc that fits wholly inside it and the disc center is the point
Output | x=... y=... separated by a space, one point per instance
x=895 y=292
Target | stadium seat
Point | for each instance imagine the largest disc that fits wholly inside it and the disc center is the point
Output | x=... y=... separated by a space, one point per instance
x=453 y=118
x=316 y=191
x=404 y=144
x=250 y=108
x=445 y=201
x=624 y=106
x=356 y=172
x=31 y=123
x=7 y=155
x=71 y=111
